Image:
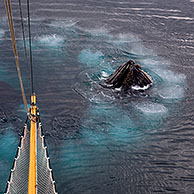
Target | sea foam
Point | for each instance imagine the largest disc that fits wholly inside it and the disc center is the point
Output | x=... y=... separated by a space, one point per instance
x=151 y=108
x=51 y=40
x=91 y=58
x=171 y=92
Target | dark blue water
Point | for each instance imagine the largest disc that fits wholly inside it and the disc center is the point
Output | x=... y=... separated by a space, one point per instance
x=101 y=141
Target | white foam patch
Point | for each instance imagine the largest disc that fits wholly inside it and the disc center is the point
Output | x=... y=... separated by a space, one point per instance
x=151 y=108
x=100 y=97
x=2 y=32
x=63 y=23
x=169 y=76
x=123 y=38
x=172 y=17
x=90 y=58
x=172 y=92
x=149 y=9
x=139 y=49
x=104 y=75
x=154 y=63
x=51 y=40
x=101 y=31
x=141 y=88
x=117 y=89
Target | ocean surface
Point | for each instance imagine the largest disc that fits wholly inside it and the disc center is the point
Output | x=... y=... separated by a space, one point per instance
x=100 y=141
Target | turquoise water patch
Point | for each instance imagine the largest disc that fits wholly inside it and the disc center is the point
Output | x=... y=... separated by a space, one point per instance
x=73 y=154
x=8 y=141
x=22 y=107
x=8 y=145
x=74 y=161
x=22 y=110
x=105 y=123
x=3 y=74
x=151 y=115
x=96 y=61
x=92 y=137
x=91 y=58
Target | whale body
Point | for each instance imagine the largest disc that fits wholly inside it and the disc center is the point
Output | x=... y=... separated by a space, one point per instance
x=129 y=76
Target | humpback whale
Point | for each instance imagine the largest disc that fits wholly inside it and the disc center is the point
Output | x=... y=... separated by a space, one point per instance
x=129 y=76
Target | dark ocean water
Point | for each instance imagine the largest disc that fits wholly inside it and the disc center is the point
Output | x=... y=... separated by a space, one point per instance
x=98 y=140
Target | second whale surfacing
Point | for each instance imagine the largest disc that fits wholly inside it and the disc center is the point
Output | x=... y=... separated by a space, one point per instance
x=129 y=76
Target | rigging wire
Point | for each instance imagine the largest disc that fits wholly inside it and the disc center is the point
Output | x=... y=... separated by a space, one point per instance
x=30 y=45
x=10 y=22
x=17 y=181
x=23 y=34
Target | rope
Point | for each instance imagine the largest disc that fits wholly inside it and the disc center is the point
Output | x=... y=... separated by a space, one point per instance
x=30 y=44
x=10 y=21
x=23 y=33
